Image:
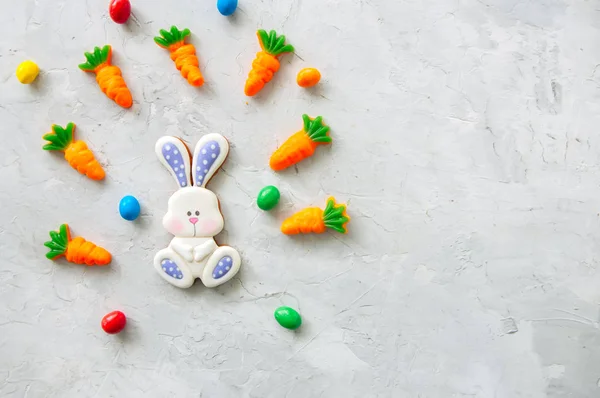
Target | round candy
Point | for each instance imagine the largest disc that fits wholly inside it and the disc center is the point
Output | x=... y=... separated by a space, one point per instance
x=114 y=322
x=308 y=77
x=129 y=208
x=288 y=317
x=119 y=10
x=27 y=72
x=268 y=197
x=227 y=7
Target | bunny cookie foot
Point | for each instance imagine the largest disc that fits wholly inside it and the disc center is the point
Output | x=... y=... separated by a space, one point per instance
x=173 y=269
x=221 y=266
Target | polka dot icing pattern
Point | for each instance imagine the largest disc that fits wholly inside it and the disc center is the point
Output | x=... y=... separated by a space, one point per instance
x=206 y=157
x=175 y=160
x=171 y=269
x=222 y=268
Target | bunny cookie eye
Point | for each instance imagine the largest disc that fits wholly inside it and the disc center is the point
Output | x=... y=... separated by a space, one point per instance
x=189 y=213
x=197 y=213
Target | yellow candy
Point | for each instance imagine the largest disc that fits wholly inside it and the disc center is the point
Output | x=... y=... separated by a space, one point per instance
x=27 y=72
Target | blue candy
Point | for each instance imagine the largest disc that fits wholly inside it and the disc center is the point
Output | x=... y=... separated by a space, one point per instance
x=129 y=208
x=227 y=7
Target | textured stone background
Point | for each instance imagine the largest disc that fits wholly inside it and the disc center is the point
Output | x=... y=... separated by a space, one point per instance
x=465 y=143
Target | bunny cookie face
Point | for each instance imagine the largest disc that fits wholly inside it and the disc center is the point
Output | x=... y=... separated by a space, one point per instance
x=194 y=216
x=193 y=212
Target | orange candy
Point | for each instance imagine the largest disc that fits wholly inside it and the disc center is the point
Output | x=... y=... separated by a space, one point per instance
x=266 y=63
x=76 y=250
x=315 y=220
x=108 y=76
x=184 y=55
x=302 y=144
x=308 y=77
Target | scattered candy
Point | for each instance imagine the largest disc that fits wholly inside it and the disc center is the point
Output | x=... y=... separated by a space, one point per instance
x=108 y=76
x=114 y=322
x=119 y=10
x=266 y=64
x=76 y=152
x=129 y=208
x=313 y=219
x=227 y=7
x=27 y=72
x=288 y=317
x=268 y=197
x=77 y=250
x=183 y=54
x=308 y=77
x=302 y=144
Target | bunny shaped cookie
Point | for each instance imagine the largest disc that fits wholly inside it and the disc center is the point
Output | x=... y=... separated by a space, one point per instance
x=194 y=216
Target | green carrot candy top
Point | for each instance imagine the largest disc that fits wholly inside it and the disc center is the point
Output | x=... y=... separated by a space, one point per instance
x=174 y=36
x=272 y=44
x=316 y=130
x=60 y=138
x=99 y=57
x=59 y=242
x=335 y=217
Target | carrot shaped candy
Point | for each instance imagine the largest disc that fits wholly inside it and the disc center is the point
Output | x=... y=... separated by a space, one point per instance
x=77 y=250
x=302 y=144
x=108 y=76
x=266 y=64
x=76 y=152
x=183 y=54
x=315 y=220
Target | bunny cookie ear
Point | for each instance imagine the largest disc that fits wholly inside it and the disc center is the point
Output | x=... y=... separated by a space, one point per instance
x=174 y=155
x=209 y=155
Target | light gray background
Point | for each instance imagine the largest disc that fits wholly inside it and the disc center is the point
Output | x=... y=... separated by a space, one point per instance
x=465 y=144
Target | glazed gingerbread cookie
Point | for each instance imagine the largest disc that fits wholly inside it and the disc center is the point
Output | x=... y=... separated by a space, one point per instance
x=194 y=216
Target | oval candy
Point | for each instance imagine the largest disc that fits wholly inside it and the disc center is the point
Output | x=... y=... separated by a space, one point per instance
x=288 y=317
x=268 y=197
x=119 y=10
x=27 y=72
x=129 y=208
x=308 y=77
x=114 y=322
x=227 y=7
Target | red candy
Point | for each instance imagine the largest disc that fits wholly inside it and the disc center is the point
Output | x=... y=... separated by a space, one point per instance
x=120 y=10
x=114 y=322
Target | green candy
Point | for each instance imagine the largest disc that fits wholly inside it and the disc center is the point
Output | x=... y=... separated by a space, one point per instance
x=268 y=197
x=288 y=317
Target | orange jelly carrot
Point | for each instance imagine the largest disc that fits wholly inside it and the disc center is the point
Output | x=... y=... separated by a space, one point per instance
x=77 y=250
x=302 y=144
x=108 y=76
x=184 y=55
x=76 y=152
x=266 y=64
x=315 y=220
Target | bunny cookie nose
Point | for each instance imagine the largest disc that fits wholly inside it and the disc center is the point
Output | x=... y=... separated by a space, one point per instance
x=193 y=220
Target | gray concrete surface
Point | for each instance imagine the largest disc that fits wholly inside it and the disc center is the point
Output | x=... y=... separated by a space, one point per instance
x=465 y=144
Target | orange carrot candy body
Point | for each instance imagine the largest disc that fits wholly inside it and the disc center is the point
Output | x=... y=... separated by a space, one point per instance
x=77 y=250
x=183 y=54
x=315 y=220
x=266 y=64
x=108 y=76
x=302 y=144
x=76 y=152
